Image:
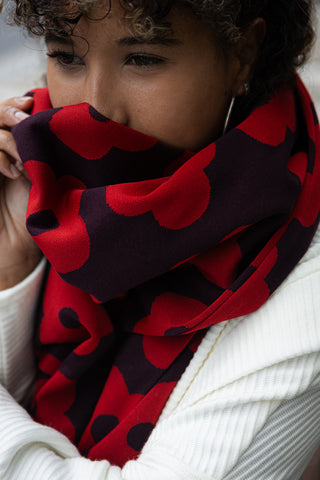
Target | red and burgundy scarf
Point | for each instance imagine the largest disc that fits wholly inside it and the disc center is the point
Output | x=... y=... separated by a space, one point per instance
x=148 y=247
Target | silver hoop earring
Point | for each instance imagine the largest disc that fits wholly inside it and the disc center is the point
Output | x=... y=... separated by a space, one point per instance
x=226 y=123
x=246 y=88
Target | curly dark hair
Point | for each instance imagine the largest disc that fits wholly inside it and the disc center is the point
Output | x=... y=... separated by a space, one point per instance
x=288 y=39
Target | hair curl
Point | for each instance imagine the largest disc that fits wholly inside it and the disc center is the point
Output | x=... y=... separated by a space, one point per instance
x=288 y=39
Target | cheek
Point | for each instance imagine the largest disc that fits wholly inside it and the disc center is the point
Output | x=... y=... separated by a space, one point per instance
x=62 y=91
x=204 y=118
x=201 y=118
x=189 y=115
x=203 y=103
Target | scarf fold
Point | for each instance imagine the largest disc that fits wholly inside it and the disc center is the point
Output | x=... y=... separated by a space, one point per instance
x=148 y=247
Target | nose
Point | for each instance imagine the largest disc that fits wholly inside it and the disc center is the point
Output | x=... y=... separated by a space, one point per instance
x=103 y=92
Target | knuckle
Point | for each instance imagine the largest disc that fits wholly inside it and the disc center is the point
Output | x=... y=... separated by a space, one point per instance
x=5 y=137
x=9 y=101
x=9 y=109
x=6 y=114
x=7 y=143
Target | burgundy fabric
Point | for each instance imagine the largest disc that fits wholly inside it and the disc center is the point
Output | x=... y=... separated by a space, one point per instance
x=149 y=246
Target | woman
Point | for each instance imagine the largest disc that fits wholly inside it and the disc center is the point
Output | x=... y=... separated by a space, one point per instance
x=158 y=335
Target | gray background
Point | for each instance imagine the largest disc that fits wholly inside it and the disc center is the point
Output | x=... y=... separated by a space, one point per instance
x=22 y=61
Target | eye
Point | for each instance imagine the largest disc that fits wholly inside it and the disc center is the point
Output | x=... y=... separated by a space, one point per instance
x=144 y=60
x=65 y=59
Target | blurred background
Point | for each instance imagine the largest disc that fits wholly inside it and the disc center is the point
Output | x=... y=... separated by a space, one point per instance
x=23 y=60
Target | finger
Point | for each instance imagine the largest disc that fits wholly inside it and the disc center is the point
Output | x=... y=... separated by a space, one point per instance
x=13 y=111
x=10 y=162
x=23 y=103
x=8 y=145
x=8 y=166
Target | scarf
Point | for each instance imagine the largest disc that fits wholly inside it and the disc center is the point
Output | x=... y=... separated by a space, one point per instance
x=148 y=247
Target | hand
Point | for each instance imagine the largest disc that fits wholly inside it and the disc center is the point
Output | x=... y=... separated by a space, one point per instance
x=18 y=252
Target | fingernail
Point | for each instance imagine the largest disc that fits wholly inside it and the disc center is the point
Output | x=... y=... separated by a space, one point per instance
x=19 y=166
x=22 y=100
x=15 y=172
x=21 y=115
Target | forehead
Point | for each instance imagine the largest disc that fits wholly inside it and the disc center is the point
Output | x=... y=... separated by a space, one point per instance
x=112 y=20
x=100 y=30
x=115 y=16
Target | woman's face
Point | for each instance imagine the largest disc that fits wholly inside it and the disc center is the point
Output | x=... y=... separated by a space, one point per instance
x=175 y=88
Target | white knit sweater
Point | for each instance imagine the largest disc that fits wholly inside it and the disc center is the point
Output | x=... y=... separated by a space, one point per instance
x=246 y=408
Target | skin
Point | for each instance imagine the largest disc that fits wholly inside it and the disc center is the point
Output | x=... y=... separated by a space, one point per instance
x=129 y=83
x=178 y=91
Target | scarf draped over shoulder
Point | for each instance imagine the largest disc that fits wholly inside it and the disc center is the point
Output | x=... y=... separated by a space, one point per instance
x=148 y=247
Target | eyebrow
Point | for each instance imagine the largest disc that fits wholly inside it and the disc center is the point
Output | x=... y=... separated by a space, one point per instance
x=154 y=40
x=123 y=42
x=50 y=38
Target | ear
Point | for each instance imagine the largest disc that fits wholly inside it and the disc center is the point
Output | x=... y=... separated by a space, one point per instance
x=246 y=53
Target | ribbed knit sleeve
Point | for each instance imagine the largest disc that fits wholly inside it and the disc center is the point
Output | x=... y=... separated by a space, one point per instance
x=246 y=408
x=17 y=305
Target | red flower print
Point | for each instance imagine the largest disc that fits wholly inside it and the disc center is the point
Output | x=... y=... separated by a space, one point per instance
x=53 y=217
x=176 y=202
x=90 y=135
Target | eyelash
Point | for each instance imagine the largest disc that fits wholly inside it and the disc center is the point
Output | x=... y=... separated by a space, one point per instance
x=64 y=59
x=142 y=60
